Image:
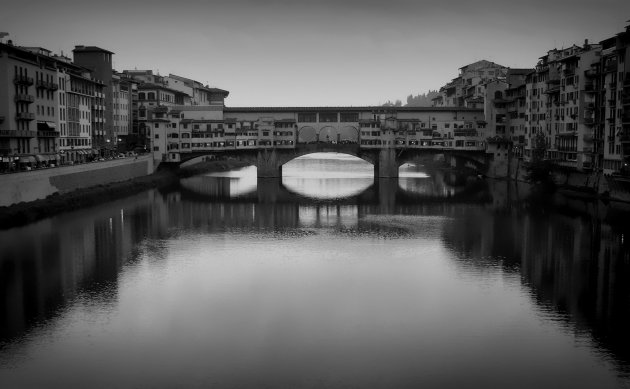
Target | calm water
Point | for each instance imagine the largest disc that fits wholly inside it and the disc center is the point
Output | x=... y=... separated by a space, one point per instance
x=321 y=279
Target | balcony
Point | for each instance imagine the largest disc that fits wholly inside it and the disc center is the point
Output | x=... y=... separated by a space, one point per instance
x=48 y=134
x=53 y=86
x=20 y=97
x=17 y=134
x=25 y=116
x=591 y=73
x=569 y=72
x=23 y=80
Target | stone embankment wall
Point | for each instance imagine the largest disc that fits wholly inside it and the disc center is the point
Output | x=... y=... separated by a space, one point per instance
x=38 y=184
x=595 y=183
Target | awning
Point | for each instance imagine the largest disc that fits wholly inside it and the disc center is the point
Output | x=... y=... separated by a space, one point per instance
x=57 y=157
x=46 y=126
x=40 y=158
x=27 y=159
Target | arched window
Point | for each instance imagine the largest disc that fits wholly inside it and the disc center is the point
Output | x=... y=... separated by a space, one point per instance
x=151 y=96
x=141 y=96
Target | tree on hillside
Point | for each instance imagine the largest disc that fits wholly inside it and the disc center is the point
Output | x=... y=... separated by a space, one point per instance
x=398 y=103
x=421 y=100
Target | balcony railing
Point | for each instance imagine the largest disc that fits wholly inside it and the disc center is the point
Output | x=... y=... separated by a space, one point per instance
x=17 y=134
x=24 y=80
x=20 y=97
x=25 y=116
x=48 y=134
x=592 y=73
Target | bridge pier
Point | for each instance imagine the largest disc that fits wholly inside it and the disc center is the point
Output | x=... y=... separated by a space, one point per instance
x=267 y=164
x=386 y=165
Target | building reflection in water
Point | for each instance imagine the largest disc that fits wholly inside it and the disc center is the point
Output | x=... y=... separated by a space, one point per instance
x=574 y=268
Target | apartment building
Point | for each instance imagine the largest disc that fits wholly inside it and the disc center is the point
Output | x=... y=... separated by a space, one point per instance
x=99 y=62
x=45 y=108
x=123 y=91
x=612 y=77
x=468 y=88
x=154 y=91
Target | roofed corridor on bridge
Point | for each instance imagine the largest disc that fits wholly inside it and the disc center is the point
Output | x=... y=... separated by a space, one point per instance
x=180 y=133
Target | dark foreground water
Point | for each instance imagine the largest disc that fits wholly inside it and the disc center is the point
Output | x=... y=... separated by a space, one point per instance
x=226 y=282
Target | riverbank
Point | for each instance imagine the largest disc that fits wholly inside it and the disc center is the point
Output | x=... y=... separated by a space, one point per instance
x=28 y=212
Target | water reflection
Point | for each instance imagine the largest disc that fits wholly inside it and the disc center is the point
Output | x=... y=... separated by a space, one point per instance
x=327 y=176
x=252 y=293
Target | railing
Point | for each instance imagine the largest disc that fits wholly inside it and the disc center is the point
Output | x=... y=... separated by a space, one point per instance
x=47 y=134
x=592 y=73
x=25 y=116
x=17 y=134
x=19 y=79
x=24 y=97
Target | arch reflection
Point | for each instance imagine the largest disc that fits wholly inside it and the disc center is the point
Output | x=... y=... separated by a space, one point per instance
x=327 y=176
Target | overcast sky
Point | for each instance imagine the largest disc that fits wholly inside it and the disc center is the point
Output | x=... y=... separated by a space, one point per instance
x=308 y=52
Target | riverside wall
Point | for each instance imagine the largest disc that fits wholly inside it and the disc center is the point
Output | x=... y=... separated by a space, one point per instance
x=594 y=183
x=39 y=184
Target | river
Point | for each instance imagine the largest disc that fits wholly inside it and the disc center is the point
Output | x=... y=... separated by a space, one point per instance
x=323 y=278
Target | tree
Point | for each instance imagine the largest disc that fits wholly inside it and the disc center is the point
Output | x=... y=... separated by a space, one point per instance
x=540 y=167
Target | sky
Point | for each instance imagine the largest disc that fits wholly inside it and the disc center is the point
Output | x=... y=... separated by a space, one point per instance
x=314 y=53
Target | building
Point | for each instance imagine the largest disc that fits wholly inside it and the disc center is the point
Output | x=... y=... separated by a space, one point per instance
x=468 y=88
x=155 y=91
x=178 y=130
x=46 y=105
x=123 y=91
x=99 y=62
x=612 y=81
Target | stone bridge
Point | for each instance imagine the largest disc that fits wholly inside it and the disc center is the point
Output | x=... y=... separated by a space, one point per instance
x=386 y=161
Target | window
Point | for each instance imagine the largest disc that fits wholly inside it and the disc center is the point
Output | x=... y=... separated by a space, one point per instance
x=349 y=117
x=328 y=117
x=307 y=117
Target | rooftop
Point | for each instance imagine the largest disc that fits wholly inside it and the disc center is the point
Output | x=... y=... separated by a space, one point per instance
x=377 y=108
x=89 y=49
